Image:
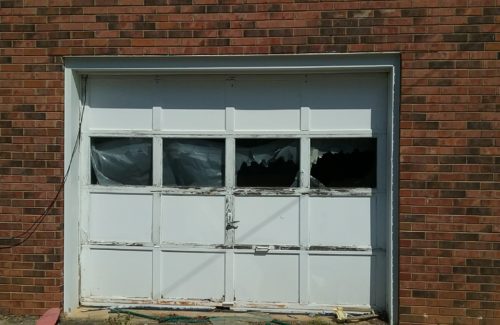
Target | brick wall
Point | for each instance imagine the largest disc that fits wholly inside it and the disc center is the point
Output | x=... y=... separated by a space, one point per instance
x=449 y=197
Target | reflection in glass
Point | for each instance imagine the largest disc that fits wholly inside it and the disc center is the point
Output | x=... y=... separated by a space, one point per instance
x=121 y=161
x=349 y=162
x=193 y=162
x=267 y=162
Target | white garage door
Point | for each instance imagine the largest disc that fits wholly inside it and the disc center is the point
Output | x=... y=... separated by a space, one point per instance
x=255 y=191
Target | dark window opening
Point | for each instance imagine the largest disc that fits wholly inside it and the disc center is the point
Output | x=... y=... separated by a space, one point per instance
x=121 y=161
x=193 y=162
x=267 y=162
x=346 y=162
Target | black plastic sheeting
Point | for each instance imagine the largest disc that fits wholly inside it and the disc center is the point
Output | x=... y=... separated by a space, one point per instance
x=344 y=162
x=121 y=161
x=193 y=162
x=267 y=162
x=338 y=162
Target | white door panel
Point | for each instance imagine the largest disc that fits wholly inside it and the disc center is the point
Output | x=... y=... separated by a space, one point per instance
x=130 y=99
x=267 y=119
x=176 y=119
x=267 y=278
x=193 y=219
x=341 y=119
x=192 y=275
x=192 y=104
x=117 y=273
x=112 y=217
x=341 y=221
x=267 y=220
x=344 y=280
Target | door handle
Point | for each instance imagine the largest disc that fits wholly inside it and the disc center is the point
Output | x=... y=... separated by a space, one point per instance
x=232 y=224
x=261 y=249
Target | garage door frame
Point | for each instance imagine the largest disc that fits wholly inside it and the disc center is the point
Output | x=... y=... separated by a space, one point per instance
x=76 y=67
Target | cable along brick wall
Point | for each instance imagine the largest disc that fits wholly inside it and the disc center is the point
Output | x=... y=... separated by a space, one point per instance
x=449 y=129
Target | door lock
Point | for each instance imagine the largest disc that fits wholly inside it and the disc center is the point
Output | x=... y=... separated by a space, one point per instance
x=232 y=224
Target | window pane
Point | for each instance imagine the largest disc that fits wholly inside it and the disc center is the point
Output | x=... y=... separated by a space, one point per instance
x=193 y=162
x=121 y=161
x=267 y=162
x=344 y=162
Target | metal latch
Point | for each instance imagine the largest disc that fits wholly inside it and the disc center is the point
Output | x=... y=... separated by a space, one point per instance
x=232 y=224
x=261 y=249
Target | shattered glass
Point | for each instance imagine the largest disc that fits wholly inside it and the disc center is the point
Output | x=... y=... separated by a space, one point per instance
x=267 y=162
x=121 y=161
x=345 y=162
x=193 y=162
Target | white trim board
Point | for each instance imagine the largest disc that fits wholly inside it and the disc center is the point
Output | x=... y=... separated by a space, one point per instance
x=75 y=67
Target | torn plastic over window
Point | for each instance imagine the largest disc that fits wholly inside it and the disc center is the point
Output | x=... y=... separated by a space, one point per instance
x=348 y=162
x=121 y=161
x=193 y=162
x=267 y=162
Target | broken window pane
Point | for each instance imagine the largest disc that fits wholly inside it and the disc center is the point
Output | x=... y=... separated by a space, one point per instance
x=193 y=162
x=344 y=162
x=267 y=162
x=121 y=161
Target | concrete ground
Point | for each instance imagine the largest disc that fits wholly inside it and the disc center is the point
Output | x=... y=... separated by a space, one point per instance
x=17 y=320
x=87 y=316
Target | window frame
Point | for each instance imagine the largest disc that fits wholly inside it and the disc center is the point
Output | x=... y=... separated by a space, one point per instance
x=230 y=187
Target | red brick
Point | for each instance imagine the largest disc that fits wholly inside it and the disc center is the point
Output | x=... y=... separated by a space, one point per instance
x=448 y=138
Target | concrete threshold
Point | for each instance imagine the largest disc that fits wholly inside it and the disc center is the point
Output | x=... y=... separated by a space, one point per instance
x=83 y=316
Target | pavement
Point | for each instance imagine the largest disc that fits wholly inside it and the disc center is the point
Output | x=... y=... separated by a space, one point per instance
x=89 y=316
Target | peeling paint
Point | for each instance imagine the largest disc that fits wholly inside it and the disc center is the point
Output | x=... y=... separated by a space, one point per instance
x=286 y=247
x=115 y=243
x=339 y=248
x=229 y=220
x=243 y=247
x=332 y=192
x=201 y=305
x=193 y=191
x=267 y=191
x=329 y=192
